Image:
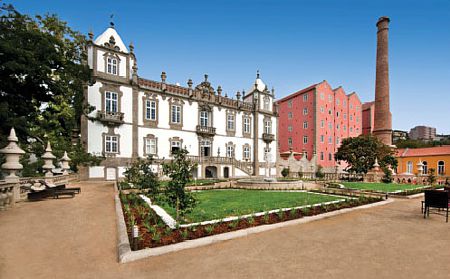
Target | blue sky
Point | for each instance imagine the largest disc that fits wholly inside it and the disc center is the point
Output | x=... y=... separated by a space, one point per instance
x=293 y=43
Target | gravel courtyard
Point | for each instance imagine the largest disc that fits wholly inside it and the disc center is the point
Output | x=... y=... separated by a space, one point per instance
x=76 y=238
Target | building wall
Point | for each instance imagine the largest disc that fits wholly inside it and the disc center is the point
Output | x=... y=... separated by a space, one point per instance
x=422 y=133
x=368 y=116
x=332 y=116
x=432 y=162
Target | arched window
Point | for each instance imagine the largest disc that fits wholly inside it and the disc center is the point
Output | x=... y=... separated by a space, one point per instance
x=441 y=168
x=409 y=167
x=425 y=167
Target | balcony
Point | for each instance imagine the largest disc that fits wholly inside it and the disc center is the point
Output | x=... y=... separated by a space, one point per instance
x=268 y=138
x=206 y=131
x=110 y=118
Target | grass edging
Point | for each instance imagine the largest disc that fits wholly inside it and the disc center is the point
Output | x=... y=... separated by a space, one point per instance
x=126 y=255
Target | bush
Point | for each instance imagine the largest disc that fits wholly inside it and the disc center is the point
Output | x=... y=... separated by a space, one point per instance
x=319 y=172
x=387 y=178
x=141 y=175
x=285 y=172
x=432 y=176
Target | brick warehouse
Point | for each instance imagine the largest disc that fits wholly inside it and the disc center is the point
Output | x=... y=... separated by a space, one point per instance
x=314 y=120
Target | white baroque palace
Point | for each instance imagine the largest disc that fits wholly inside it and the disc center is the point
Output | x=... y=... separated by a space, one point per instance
x=135 y=117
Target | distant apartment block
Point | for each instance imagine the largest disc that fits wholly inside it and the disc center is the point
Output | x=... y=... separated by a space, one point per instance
x=315 y=120
x=398 y=135
x=422 y=133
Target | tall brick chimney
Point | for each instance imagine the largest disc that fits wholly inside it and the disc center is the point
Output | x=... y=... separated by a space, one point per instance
x=383 y=116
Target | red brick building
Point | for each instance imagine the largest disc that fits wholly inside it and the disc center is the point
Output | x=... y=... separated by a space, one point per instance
x=368 y=116
x=314 y=120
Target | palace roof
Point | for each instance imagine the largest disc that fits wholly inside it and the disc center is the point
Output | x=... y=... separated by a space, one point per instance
x=422 y=152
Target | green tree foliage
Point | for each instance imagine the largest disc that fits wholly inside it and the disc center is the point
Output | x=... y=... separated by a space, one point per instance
x=285 y=172
x=360 y=154
x=387 y=177
x=179 y=170
x=409 y=143
x=142 y=176
x=431 y=176
x=319 y=172
x=42 y=76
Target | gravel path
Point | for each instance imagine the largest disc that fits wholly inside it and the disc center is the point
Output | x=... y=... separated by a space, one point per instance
x=76 y=238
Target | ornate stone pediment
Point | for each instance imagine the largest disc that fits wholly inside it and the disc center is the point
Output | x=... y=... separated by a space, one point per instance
x=205 y=89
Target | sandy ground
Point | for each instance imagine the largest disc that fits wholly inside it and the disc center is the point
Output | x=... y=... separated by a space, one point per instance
x=76 y=238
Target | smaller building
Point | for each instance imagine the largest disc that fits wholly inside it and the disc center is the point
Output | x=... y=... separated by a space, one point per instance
x=411 y=160
x=423 y=133
x=398 y=135
x=368 y=116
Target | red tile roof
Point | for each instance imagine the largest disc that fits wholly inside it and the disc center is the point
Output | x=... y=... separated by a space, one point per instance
x=426 y=151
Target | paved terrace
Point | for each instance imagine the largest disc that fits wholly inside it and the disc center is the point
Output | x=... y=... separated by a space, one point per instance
x=76 y=238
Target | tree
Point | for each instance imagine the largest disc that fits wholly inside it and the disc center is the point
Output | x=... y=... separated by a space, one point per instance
x=387 y=177
x=141 y=175
x=42 y=75
x=432 y=176
x=285 y=172
x=180 y=171
x=361 y=152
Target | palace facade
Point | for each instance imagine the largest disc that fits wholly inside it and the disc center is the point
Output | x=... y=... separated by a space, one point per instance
x=136 y=117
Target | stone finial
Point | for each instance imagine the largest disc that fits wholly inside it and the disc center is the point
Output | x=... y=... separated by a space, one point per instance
x=91 y=35
x=163 y=77
x=243 y=93
x=131 y=46
x=206 y=77
x=48 y=160
x=238 y=95
x=12 y=156
x=190 y=83
x=65 y=163
x=257 y=74
x=219 y=90
x=226 y=95
x=273 y=91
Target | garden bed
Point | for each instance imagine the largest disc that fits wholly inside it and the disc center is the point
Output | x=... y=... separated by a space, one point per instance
x=154 y=233
x=383 y=188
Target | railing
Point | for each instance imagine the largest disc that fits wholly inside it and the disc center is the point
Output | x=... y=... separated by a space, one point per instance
x=268 y=137
x=110 y=117
x=245 y=166
x=205 y=130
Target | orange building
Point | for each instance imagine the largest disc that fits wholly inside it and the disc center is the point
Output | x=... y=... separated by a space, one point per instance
x=411 y=159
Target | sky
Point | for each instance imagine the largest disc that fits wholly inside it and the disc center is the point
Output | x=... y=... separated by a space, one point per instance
x=294 y=44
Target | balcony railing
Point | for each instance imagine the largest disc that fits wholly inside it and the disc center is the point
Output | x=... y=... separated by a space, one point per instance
x=110 y=117
x=268 y=137
x=205 y=130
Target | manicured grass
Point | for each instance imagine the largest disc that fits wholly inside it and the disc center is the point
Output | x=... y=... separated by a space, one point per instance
x=219 y=204
x=380 y=187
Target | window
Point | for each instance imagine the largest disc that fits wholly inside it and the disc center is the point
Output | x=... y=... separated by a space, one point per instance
x=322 y=138
x=111 y=101
x=338 y=140
x=441 y=168
x=175 y=146
x=321 y=156
x=345 y=116
x=330 y=125
x=425 y=167
x=305 y=139
x=351 y=117
x=305 y=97
x=351 y=129
x=266 y=103
x=176 y=114
x=246 y=152
x=345 y=127
x=409 y=167
x=205 y=148
x=322 y=110
x=330 y=157
x=230 y=151
x=344 y=103
x=289 y=141
x=305 y=125
x=337 y=102
x=330 y=112
x=289 y=115
x=337 y=127
x=322 y=123
x=150 y=110
x=290 y=128
x=150 y=146
x=290 y=104
x=204 y=118
x=330 y=98
x=247 y=125
x=357 y=108
x=322 y=96
x=351 y=106
x=357 y=119
x=268 y=127
x=111 y=66
x=230 y=122
x=337 y=114
x=305 y=111
x=330 y=140
x=305 y=153
x=111 y=144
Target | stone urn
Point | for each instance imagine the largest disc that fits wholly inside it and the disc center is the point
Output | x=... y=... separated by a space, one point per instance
x=48 y=160
x=12 y=155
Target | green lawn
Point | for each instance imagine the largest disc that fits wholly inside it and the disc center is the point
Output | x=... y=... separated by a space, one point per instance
x=218 y=204
x=380 y=187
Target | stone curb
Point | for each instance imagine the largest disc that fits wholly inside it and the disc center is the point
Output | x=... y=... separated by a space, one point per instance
x=126 y=255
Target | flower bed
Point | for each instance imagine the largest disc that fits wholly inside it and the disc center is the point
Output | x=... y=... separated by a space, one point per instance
x=154 y=233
